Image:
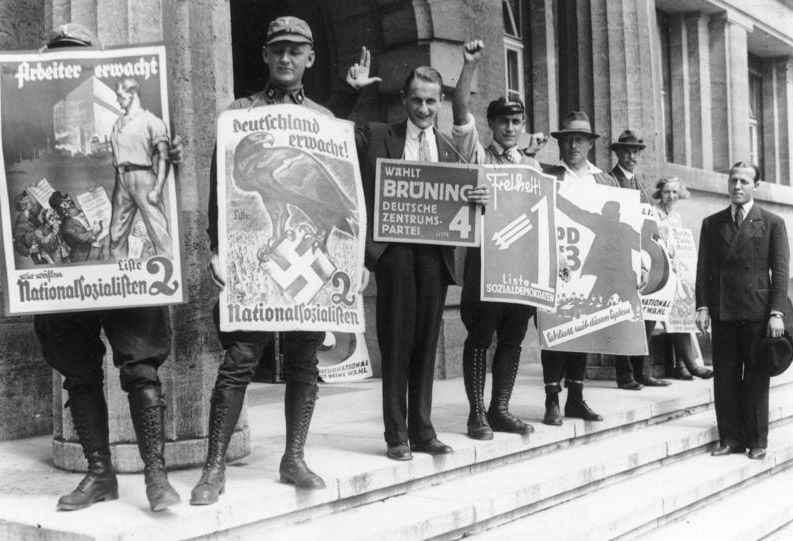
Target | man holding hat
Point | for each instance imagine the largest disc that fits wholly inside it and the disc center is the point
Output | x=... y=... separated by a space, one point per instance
x=576 y=139
x=141 y=341
x=631 y=368
x=741 y=291
x=288 y=53
x=507 y=119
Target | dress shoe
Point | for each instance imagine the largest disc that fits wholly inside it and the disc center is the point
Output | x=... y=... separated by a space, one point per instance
x=432 y=447
x=723 y=450
x=400 y=451
x=650 y=381
x=631 y=386
x=756 y=453
x=702 y=372
x=681 y=372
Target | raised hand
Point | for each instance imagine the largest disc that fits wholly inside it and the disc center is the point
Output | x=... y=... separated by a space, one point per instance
x=358 y=75
x=473 y=51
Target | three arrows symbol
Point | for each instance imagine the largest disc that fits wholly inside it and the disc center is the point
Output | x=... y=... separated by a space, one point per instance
x=511 y=232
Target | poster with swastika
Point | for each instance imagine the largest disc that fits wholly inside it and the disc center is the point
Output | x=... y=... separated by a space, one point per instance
x=291 y=221
x=519 y=262
x=425 y=203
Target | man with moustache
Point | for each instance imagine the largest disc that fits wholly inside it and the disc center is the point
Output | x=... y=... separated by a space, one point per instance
x=576 y=139
x=631 y=368
x=411 y=278
x=741 y=289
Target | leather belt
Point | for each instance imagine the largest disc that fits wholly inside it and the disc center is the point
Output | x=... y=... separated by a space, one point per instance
x=127 y=167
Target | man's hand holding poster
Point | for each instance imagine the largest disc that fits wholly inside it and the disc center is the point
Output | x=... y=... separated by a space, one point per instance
x=425 y=203
x=658 y=291
x=598 y=307
x=519 y=263
x=291 y=222
x=68 y=121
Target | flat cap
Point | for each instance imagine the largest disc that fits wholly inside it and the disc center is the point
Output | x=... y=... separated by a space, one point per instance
x=289 y=29
x=503 y=106
x=71 y=35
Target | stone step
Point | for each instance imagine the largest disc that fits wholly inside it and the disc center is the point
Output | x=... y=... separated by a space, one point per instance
x=345 y=446
x=652 y=472
x=633 y=508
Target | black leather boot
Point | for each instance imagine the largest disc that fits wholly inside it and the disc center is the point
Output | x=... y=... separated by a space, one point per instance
x=553 y=416
x=575 y=405
x=89 y=415
x=223 y=415
x=474 y=370
x=299 y=401
x=505 y=370
x=147 y=410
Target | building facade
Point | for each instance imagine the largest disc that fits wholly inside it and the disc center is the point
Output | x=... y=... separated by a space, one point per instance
x=705 y=82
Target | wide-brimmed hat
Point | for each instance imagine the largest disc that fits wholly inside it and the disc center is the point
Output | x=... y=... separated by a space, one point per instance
x=289 y=29
x=628 y=139
x=772 y=356
x=576 y=122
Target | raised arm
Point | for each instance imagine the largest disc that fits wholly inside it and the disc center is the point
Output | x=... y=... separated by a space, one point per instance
x=472 y=54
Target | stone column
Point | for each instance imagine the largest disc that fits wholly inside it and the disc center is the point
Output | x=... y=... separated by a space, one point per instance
x=198 y=42
x=778 y=119
x=729 y=74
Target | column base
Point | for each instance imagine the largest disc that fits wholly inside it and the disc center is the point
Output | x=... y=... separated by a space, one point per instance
x=68 y=455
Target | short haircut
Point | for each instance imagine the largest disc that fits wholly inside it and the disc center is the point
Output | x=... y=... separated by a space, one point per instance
x=746 y=165
x=129 y=85
x=682 y=193
x=424 y=73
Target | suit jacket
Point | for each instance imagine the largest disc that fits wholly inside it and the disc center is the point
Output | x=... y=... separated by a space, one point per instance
x=633 y=183
x=742 y=274
x=379 y=140
x=559 y=171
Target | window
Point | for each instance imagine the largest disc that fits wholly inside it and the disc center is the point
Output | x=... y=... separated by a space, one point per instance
x=756 y=113
x=513 y=49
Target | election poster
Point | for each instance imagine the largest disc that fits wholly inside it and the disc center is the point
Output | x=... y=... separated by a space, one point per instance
x=598 y=309
x=425 y=203
x=292 y=222
x=658 y=292
x=683 y=252
x=88 y=202
x=343 y=358
x=519 y=261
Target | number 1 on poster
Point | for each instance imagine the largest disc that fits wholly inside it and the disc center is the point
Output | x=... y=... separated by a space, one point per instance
x=540 y=208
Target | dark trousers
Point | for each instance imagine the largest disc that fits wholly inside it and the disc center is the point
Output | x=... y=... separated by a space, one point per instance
x=741 y=394
x=636 y=367
x=411 y=289
x=562 y=364
x=482 y=319
x=244 y=349
x=140 y=339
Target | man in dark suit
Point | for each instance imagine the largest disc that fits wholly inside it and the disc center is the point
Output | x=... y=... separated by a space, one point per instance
x=631 y=368
x=742 y=278
x=411 y=278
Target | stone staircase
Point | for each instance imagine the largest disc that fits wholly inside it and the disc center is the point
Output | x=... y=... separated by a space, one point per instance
x=643 y=473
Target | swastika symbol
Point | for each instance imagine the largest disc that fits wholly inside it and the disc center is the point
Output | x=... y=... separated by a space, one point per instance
x=300 y=270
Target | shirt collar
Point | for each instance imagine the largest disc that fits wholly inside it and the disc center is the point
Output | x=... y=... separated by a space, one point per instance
x=625 y=172
x=746 y=208
x=413 y=131
x=500 y=150
x=591 y=169
x=274 y=93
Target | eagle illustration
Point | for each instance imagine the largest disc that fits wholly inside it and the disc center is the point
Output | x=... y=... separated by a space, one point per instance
x=285 y=176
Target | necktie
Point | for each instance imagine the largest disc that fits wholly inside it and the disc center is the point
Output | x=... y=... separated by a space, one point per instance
x=738 y=216
x=424 y=148
x=510 y=157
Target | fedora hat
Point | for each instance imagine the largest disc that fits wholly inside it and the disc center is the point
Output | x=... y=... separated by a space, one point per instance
x=576 y=122
x=628 y=139
x=772 y=356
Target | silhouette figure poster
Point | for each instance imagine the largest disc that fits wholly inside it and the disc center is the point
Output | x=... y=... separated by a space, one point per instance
x=88 y=200
x=292 y=221
x=598 y=309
